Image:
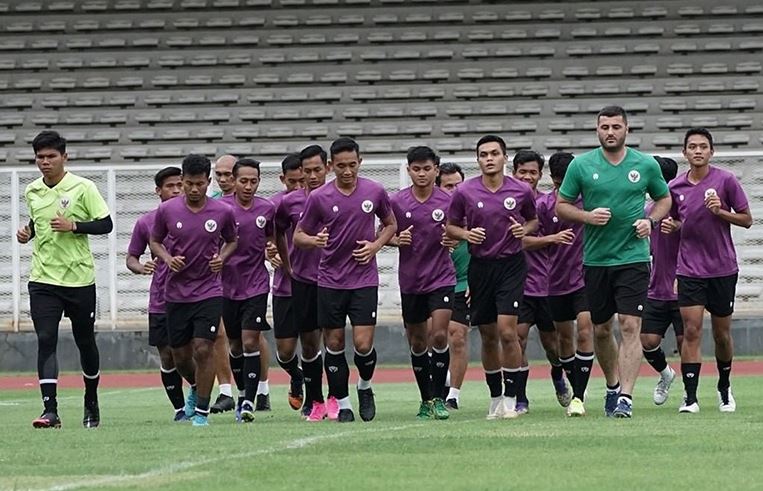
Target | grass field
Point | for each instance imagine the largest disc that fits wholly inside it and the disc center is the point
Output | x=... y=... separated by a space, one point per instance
x=137 y=447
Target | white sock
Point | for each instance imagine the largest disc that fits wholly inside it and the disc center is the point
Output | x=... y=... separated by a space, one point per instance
x=344 y=403
x=666 y=373
x=225 y=389
x=364 y=384
x=263 y=388
x=447 y=379
x=453 y=393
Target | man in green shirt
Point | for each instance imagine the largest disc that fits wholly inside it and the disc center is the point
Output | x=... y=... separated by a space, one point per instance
x=63 y=209
x=613 y=181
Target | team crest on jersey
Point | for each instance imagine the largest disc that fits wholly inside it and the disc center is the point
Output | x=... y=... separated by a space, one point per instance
x=634 y=176
x=179 y=225
x=408 y=214
x=367 y=206
x=438 y=215
x=509 y=203
x=335 y=209
x=64 y=202
x=710 y=192
x=480 y=204
x=555 y=219
x=210 y=226
x=260 y=221
x=595 y=176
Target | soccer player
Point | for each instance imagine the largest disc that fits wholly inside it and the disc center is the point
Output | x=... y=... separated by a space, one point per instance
x=339 y=219
x=661 y=310
x=194 y=228
x=168 y=185
x=246 y=282
x=613 y=181
x=567 y=297
x=707 y=200
x=535 y=309
x=449 y=177
x=63 y=210
x=493 y=212
x=427 y=277
x=302 y=265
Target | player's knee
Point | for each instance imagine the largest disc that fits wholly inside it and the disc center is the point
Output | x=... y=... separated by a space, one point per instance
x=251 y=345
x=166 y=358
x=364 y=345
x=650 y=342
x=309 y=351
x=202 y=349
x=692 y=334
x=47 y=340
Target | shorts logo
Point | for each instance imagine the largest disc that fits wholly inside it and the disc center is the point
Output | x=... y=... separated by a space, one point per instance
x=634 y=176
x=210 y=226
x=335 y=208
x=509 y=203
x=65 y=201
x=446 y=299
x=212 y=329
x=367 y=206
x=516 y=305
x=555 y=220
x=640 y=308
x=179 y=225
x=480 y=204
x=373 y=314
x=710 y=192
x=595 y=176
x=680 y=197
x=407 y=214
x=438 y=215
x=261 y=220
x=258 y=320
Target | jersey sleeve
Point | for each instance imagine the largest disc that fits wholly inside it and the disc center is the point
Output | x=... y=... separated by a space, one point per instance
x=571 y=186
x=229 y=231
x=457 y=210
x=138 y=239
x=281 y=219
x=656 y=187
x=270 y=224
x=737 y=199
x=311 y=217
x=529 y=211
x=159 y=232
x=94 y=203
x=385 y=207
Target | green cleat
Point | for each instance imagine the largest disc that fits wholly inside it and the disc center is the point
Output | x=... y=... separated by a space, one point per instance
x=425 y=410
x=439 y=410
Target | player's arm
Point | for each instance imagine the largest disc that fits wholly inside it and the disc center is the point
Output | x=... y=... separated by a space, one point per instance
x=533 y=243
x=303 y=240
x=25 y=233
x=741 y=218
x=737 y=201
x=279 y=239
x=133 y=264
x=228 y=249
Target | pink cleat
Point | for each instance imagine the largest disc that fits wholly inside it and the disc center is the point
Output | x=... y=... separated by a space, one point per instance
x=332 y=408
x=318 y=412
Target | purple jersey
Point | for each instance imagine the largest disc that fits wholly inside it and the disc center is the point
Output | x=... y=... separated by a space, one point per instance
x=706 y=249
x=664 y=249
x=473 y=205
x=565 y=273
x=425 y=265
x=349 y=219
x=141 y=234
x=244 y=273
x=304 y=262
x=196 y=236
x=282 y=284
x=536 y=283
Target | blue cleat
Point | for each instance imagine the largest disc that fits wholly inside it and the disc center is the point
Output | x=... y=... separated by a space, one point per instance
x=190 y=403
x=610 y=403
x=199 y=420
x=624 y=408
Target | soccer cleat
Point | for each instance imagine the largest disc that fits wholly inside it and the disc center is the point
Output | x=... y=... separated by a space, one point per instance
x=222 y=404
x=510 y=408
x=318 y=412
x=332 y=408
x=576 y=408
x=624 y=408
x=345 y=416
x=190 y=403
x=92 y=417
x=180 y=416
x=296 y=396
x=522 y=408
x=247 y=412
x=495 y=411
x=307 y=408
x=367 y=406
x=451 y=404
x=610 y=403
x=238 y=409
x=425 y=410
x=263 y=402
x=660 y=394
x=563 y=391
x=199 y=420
x=686 y=408
x=439 y=409
x=47 y=420
x=726 y=401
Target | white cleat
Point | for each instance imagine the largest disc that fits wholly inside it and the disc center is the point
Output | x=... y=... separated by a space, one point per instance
x=495 y=411
x=510 y=408
x=726 y=404
x=660 y=394
x=692 y=408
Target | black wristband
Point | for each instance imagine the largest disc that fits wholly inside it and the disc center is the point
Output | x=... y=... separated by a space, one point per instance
x=655 y=223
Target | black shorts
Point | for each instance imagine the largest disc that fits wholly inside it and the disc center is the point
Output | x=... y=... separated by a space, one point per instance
x=497 y=287
x=245 y=315
x=335 y=306
x=419 y=308
x=616 y=290
x=536 y=311
x=715 y=294
x=53 y=301
x=157 y=330
x=305 y=295
x=186 y=321
x=460 y=314
x=284 y=324
x=567 y=307
x=659 y=315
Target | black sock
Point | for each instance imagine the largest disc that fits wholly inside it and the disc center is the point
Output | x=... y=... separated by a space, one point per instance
x=91 y=386
x=291 y=367
x=440 y=363
x=583 y=366
x=337 y=374
x=521 y=379
x=613 y=388
x=202 y=406
x=313 y=373
x=724 y=372
x=422 y=372
x=556 y=372
x=690 y=375
x=493 y=380
x=568 y=365
x=49 y=400
x=656 y=358
x=173 y=386
x=626 y=396
x=510 y=377
x=251 y=375
x=366 y=364
x=237 y=368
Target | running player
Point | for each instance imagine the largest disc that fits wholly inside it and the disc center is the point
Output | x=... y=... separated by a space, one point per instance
x=493 y=212
x=339 y=219
x=613 y=181
x=194 y=228
x=427 y=278
x=63 y=210
x=168 y=185
x=707 y=200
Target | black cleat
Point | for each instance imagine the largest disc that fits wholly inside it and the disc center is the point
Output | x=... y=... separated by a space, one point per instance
x=47 y=420
x=92 y=416
x=367 y=405
x=345 y=416
x=296 y=393
x=262 y=403
x=451 y=404
x=307 y=409
x=222 y=404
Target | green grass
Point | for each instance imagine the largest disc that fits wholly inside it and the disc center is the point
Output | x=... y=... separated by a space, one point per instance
x=139 y=448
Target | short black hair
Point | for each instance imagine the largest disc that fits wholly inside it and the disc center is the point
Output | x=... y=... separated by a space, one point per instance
x=311 y=151
x=422 y=154
x=611 y=112
x=196 y=165
x=489 y=139
x=698 y=131
x=525 y=156
x=165 y=173
x=49 y=139
x=291 y=162
x=558 y=164
x=668 y=166
x=344 y=144
x=447 y=168
x=245 y=162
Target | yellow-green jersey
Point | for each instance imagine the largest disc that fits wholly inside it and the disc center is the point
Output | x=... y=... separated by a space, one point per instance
x=63 y=258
